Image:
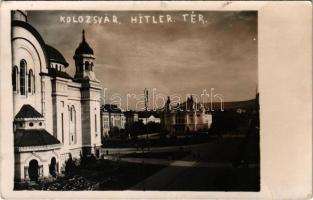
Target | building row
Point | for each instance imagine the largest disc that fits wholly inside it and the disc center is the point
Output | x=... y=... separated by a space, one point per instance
x=115 y=120
x=175 y=120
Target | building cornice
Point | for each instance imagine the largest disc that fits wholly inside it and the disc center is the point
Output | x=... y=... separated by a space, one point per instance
x=37 y=148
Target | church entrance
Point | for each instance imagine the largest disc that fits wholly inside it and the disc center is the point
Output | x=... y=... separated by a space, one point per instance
x=33 y=170
x=52 y=167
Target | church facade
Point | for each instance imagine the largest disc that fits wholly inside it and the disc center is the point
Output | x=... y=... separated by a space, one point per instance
x=57 y=117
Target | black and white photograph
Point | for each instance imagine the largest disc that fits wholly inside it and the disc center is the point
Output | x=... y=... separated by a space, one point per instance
x=156 y=100
x=132 y=100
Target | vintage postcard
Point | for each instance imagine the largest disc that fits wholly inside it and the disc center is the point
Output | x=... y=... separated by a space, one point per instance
x=144 y=97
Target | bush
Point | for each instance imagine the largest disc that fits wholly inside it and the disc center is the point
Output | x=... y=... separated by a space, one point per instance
x=70 y=166
x=88 y=160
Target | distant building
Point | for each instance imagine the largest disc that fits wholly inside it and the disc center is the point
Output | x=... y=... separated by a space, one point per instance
x=185 y=118
x=56 y=116
x=131 y=118
x=149 y=116
x=112 y=117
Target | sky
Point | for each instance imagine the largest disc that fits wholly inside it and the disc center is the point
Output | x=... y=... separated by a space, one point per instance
x=179 y=57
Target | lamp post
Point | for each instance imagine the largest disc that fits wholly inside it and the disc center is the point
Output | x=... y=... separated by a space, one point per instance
x=146 y=97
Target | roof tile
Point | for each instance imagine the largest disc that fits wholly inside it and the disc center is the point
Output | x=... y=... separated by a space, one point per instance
x=34 y=137
x=27 y=111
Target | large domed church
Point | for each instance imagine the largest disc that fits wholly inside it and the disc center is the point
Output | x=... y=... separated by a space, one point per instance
x=56 y=116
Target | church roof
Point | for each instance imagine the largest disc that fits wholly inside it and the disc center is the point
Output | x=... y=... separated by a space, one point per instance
x=35 y=33
x=56 y=73
x=27 y=111
x=34 y=137
x=84 y=47
x=55 y=56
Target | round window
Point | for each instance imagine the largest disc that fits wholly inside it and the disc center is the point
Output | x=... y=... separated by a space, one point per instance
x=31 y=124
x=40 y=123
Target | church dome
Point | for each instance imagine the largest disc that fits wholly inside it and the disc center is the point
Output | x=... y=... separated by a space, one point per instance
x=55 y=56
x=19 y=15
x=83 y=47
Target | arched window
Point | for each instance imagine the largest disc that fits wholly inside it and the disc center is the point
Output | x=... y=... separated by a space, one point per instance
x=91 y=66
x=30 y=80
x=53 y=167
x=86 y=65
x=23 y=66
x=14 y=78
x=33 y=170
x=71 y=114
x=72 y=126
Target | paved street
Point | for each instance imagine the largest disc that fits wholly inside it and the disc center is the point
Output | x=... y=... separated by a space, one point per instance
x=178 y=163
x=115 y=151
x=150 y=136
x=196 y=175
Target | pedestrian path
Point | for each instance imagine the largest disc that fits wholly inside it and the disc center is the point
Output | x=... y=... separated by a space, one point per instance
x=104 y=151
x=177 y=163
x=161 y=179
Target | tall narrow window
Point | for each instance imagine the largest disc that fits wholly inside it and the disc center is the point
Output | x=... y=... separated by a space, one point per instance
x=43 y=86
x=34 y=81
x=86 y=65
x=95 y=123
x=74 y=119
x=14 y=78
x=30 y=81
x=22 y=76
x=71 y=114
x=69 y=120
x=62 y=127
x=72 y=125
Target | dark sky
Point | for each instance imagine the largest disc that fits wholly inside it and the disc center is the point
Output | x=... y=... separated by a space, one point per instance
x=175 y=58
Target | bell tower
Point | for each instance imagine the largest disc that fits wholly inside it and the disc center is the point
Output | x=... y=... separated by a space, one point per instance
x=84 y=59
x=90 y=97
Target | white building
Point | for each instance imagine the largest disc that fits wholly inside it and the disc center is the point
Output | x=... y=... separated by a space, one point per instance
x=56 y=116
x=149 y=116
x=112 y=118
x=185 y=118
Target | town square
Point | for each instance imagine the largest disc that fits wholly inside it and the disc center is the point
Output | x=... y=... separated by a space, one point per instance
x=100 y=109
